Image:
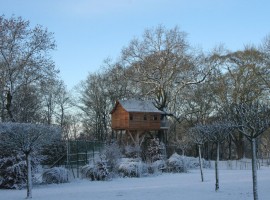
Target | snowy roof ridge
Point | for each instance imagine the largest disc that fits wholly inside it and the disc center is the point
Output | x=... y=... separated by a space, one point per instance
x=133 y=105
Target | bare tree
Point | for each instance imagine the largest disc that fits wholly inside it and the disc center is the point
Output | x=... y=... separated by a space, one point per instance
x=28 y=139
x=64 y=102
x=252 y=120
x=27 y=104
x=241 y=76
x=24 y=58
x=265 y=48
x=95 y=105
x=161 y=65
x=182 y=143
x=117 y=86
x=264 y=146
x=56 y=101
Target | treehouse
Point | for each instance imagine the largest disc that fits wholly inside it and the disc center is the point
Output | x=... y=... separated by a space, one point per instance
x=136 y=119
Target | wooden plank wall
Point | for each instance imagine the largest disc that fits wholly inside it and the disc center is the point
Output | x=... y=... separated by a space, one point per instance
x=140 y=123
x=120 y=118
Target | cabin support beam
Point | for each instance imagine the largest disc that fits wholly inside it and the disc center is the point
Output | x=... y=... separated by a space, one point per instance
x=137 y=137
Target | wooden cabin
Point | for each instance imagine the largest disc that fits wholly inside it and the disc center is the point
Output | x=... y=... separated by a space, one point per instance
x=138 y=118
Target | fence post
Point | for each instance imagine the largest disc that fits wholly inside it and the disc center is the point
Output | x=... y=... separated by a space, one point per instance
x=86 y=157
x=94 y=152
x=77 y=158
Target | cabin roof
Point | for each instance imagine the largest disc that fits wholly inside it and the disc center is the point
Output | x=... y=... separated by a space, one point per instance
x=137 y=106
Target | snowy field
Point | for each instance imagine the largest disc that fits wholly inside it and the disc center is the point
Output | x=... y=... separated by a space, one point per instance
x=234 y=185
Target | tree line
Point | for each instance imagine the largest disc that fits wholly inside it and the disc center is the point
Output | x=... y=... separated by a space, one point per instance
x=31 y=90
x=33 y=99
x=224 y=94
x=193 y=86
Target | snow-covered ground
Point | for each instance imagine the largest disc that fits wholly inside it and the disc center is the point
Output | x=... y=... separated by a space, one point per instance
x=234 y=185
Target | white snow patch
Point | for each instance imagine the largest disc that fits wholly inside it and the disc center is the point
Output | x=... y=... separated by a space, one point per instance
x=234 y=185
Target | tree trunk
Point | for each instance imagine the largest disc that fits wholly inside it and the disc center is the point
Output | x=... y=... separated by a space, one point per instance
x=254 y=169
x=2 y=108
x=9 y=105
x=240 y=148
x=216 y=168
x=62 y=116
x=29 y=176
x=200 y=161
x=230 y=148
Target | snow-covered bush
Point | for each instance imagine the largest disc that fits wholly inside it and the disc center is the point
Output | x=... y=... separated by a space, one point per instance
x=112 y=154
x=157 y=167
x=177 y=163
x=193 y=163
x=129 y=167
x=55 y=175
x=95 y=172
x=132 y=151
x=13 y=171
x=153 y=150
x=53 y=151
x=27 y=139
x=206 y=163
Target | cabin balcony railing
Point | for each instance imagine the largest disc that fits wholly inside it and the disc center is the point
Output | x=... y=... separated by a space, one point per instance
x=164 y=124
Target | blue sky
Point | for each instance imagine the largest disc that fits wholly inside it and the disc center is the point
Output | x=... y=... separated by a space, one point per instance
x=89 y=31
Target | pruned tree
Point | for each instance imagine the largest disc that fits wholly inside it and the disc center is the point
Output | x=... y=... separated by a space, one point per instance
x=252 y=120
x=216 y=132
x=28 y=139
x=198 y=136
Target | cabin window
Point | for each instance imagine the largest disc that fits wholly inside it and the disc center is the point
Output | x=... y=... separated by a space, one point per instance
x=145 y=117
x=154 y=117
x=130 y=117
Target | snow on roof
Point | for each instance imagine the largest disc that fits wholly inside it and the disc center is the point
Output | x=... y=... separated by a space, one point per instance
x=139 y=106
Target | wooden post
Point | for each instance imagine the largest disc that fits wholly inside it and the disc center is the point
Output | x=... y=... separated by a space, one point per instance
x=216 y=168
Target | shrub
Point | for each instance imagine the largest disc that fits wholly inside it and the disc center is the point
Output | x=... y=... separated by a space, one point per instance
x=153 y=150
x=55 y=175
x=95 y=172
x=13 y=171
x=177 y=163
x=157 y=167
x=129 y=167
x=52 y=152
x=112 y=154
x=132 y=151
